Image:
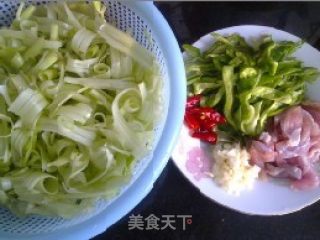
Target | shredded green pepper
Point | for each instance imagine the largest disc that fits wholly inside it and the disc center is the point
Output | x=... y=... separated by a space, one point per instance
x=247 y=84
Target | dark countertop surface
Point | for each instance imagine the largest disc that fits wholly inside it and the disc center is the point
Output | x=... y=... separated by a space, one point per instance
x=172 y=193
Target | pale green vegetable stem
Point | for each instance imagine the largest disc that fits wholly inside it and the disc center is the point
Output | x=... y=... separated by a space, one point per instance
x=79 y=101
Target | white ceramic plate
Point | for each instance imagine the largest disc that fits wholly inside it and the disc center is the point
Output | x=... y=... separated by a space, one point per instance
x=267 y=197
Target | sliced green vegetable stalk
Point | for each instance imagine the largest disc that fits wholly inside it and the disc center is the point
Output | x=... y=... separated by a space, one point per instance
x=247 y=84
x=79 y=102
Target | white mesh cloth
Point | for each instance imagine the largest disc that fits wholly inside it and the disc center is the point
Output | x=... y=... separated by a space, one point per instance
x=124 y=18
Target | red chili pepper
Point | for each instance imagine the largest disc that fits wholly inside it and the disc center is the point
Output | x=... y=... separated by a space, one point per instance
x=193 y=101
x=210 y=137
x=203 y=112
x=208 y=116
x=219 y=118
x=196 y=111
x=207 y=124
x=191 y=122
x=202 y=120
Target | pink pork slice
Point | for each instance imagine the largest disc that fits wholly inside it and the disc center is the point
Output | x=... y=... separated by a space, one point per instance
x=290 y=146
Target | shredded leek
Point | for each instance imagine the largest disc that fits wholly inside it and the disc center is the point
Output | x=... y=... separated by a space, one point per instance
x=79 y=100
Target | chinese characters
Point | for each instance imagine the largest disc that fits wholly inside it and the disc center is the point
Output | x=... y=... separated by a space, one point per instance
x=152 y=222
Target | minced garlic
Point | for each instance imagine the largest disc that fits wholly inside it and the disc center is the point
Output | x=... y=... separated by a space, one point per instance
x=231 y=168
